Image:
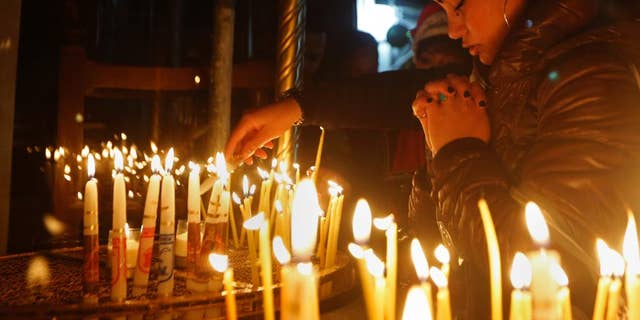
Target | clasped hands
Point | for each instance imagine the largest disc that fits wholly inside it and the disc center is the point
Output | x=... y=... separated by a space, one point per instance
x=451 y=109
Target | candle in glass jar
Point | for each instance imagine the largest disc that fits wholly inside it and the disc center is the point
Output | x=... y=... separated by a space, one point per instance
x=119 y=251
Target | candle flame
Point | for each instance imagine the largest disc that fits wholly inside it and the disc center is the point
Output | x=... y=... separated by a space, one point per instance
x=118 y=162
x=280 y=251
x=438 y=277
x=168 y=161
x=156 y=167
x=67 y=169
x=236 y=198
x=38 y=272
x=274 y=163
x=356 y=250
x=154 y=147
x=127 y=231
x=630 y=247
x=84 y=152
x=219 y=262
x=221 y=166
x=305 y=268
x=559 y=275
x=245 y=185
x=134 y=152
x=91 y=166
x=80 y=196
x=383 y=223
x=123 y=136
x=304 y=219
x=252 y=190
x=374 y=265
x=521 y=272
x=362 y=222
x=195 y=168
x=255 y=222
x=617 y=263
x=442 y=254
x=47 y=153
x=603 y=255
x=416 y=307
x=278 y=206
x=420 y=262
x=536 y=224
x=264 y=175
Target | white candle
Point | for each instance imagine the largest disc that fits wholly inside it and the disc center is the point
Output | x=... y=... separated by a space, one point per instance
x=91 y=259
x=147 y=234
x=220 y=263
x=118 y=239
x=443 y=310
x=391 y=233
x=361 y=227
x=442 y=255
x=520 y=308
x=615 y=289
x=188 y=244
x=258 y=222
x=375 y=266
x=564 y=294
x=606 y=271
x=631 y=253
x=543 y=286
x=494 y=260
x=166 y=241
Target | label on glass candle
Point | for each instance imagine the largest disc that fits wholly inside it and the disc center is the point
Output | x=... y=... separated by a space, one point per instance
x=118 y=259
x=146 y=249
x=165 y=253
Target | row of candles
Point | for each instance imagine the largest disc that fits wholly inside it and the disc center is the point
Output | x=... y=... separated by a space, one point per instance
x=540 y=284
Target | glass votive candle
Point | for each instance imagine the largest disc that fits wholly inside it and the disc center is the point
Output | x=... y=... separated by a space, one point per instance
x=181 y=244
x=133 y=243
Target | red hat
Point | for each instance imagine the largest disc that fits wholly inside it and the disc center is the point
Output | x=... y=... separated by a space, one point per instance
x=432 y=22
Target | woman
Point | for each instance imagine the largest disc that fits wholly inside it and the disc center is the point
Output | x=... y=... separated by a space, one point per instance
x=558 y=124
x=556 y=121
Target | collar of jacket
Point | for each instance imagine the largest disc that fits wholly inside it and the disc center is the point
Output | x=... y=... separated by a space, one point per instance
x=543 y=24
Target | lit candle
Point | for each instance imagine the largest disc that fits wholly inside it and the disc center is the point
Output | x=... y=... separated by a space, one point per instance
x=245 y=209
x=375 y=266
x=334 y=227
x=361 y=226
x=166 y=240
x=189 y=244
x=118 y=237
x=217 y=217
x=417 y=305
x=632 y=256
x=314 y=175
x=604 y=282
x=494 y=260
x=302 y=281
x=297 y=168
x=421 y=265
x=442 y=255
x=258 y=222
x=287 y=300
x=443 y=309
x=563 y=295
x=543 y=286
x=520 y=279
x=220 y=263
x=615 y=289
x=91 y=268
x=391 y=233
x=147 y=234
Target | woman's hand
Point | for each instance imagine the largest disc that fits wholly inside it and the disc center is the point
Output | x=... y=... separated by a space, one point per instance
x=451 y=109
x=258 y=127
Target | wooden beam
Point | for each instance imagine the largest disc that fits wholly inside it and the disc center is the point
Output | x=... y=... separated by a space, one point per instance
x=9 y=38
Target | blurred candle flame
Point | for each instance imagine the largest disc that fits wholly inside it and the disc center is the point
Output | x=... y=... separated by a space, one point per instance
x=536 y=224
x=118 y=161
x=603 y=255
x=280 y=251
x=383 y=223
x=420 y=262
x=221 y=166
x=438 y=277
x=304 y=219
x=154 y=147
x=521 y=272
x=236 y=199
x=442 y=254
x=91 y=166
x=219 y=262
x=356 y=250
x=38 y=272
x=630 y=247
x=168 y=161
x=255 y=222
x=416 y=307
x=156 y=167
x=245 y=185
x=559 y=275
x=362 y=222
x=374 y=265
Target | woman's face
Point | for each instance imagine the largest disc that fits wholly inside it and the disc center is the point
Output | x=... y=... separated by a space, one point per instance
x=480 y=24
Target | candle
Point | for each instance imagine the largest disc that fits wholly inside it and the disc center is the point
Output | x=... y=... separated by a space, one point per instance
x=632 y=256
x=258 y=222
x=189 y=244
x=391 y=233
x=141 y=275
x=615 y=289
x=520 y=297
x=494 y=260
x=417 y=305
x=443 y=256
x=287 y=301
x=421 y=265
x=297 y=168
x=133 y=244
x=563 y=295
x=543 y=286
x=220 y=263
x=301 y=282
x=314 y=175
x=334 y=227
x=604 y=282
x=217 y=217
x=167 y=230
x=90 y=233
x=443 y=309
x=361 y=227
x=118 y=256
x=375 y=266
x=245 y=209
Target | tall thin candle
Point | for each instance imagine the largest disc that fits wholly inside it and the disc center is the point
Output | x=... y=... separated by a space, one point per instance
x=118 y=238
x=631 y=253
x=494 y=260
x=90 y=232
x=166 y=240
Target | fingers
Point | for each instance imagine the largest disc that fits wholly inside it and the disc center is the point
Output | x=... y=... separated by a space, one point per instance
x=420 y=104
x=260 y=154
x=268 y=145
x=439 y=89
x=478 y=95
x=244 y=128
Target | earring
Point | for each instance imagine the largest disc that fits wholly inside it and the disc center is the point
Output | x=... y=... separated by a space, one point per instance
x=504 y=14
